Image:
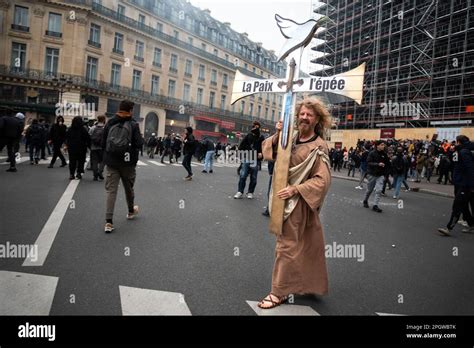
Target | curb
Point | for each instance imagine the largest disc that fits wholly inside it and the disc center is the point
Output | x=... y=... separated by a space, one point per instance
x=422 y=190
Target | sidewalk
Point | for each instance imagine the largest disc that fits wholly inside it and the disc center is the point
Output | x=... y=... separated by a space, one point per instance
x=425 y=187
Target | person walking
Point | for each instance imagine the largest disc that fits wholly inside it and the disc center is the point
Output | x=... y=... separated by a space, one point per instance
x=463 y=180
x=77 y=142
x=363 y=168
x=444 y=165
x=167 y=149
x=34 y=138
x=189 y=148
x=398 y=171
x=11 y=128
x=251 y=145
x=57 y=137
x=377 y=160
x=122 y=142
x=300 y=262
x=96 y=133
x=176 y=147
x=210 y=148
x=151 y=145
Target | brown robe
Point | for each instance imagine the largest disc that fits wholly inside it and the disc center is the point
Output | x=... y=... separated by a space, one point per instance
x=300 y=263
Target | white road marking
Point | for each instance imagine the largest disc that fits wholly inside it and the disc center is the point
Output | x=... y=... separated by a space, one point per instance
x=389 y=314
x=26 y=294
x=140 y=163
x=284 y=309
x=50 y=229
x=157 y=163
x=136 y=301
x=22 y=159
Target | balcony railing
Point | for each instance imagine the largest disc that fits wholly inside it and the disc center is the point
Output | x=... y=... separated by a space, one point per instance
x=117 y=51
x=173 y=70
x=93 y=43
x=158 y=65
x=138 y=58
x=81 y=81
x=188 y=75
x=53 y=33
x=20 y=28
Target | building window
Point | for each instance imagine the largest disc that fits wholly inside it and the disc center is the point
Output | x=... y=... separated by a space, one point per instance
x=157 y=57
x=203 y=46
x=94 y=35
x=186 y=92
x=190 y=40
x=225 y=80
x=52 y=61
x=139 y=50
x=188 y=68
x=273 y=115
x=155 y=84
x=115 y=75
x=141 y=19
x=159 y=26
x=202 y=69
x=251 y=109
x=259 y=110
x=171 y=88
x=213 y=77
x=91 y=69
x=200 y=93
x=216 y=52
x=226 y=57
x=20 y=19
x=223 y=101
x=174 y=63
x=118 y=43
x=121 y=10
x=212 y=97
x=18 y=58
x=54 y=25
x=137 y=78
x=266 y=112
x=242 y=107
x=176 y=34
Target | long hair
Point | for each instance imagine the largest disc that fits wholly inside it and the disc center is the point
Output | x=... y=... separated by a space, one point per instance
x=320 y=110
x=77 y=122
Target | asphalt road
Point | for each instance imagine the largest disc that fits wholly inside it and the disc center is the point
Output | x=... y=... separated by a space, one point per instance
x=194 y=239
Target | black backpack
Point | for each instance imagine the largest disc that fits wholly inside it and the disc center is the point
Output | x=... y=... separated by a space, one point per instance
x=119 y=138
x=96 y=136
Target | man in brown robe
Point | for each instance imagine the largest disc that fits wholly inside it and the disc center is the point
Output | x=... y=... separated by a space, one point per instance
x=300 y=263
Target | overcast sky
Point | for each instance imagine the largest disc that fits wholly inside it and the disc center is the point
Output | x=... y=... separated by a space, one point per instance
x=256 y=17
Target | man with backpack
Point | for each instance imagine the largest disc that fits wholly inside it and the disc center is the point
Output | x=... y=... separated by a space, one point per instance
x=122 y=141
x=151 y=144
x=34 y=138
x=11 y=128
x=97 y=161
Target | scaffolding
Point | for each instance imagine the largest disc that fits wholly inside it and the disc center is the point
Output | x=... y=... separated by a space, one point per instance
x=417 y=53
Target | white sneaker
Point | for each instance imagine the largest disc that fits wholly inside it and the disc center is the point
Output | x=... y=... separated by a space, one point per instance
x=250 y=195
x=359 y=187
x=468 y=230
x=395 y=197
x=238 y=195
x=108 y=227
x=131 y=216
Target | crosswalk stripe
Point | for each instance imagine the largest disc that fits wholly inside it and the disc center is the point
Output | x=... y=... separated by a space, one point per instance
x=157 y=163
x=137 y=301
x=389 y=314
x=140 y=163
x=50 y=229
x=284 y=309
x=26 y=294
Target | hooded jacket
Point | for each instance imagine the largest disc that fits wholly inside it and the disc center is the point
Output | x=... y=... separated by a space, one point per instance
x=463 y=172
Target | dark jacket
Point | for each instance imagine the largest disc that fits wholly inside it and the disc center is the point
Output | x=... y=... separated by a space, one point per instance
x=189 y=144
x=209 y=145
x=252 y=141
x=373 y=160
x=11 y=128
x=34 y=135
x=57 y=133
x=463 y=172
x=136 y=143
x=398 y=165
x=77 y=140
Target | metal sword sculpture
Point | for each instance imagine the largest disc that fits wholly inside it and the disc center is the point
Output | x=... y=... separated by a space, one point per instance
x=348 y=84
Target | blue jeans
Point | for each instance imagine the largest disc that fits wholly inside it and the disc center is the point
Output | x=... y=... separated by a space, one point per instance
x=34 y=152
x=208 y=160
x=244 y=173
x=397 y=183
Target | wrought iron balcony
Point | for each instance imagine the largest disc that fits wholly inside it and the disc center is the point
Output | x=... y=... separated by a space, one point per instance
x=117 y=51
x=20 y=28
x=53 y=33
x=93 y=43
x=138 y=58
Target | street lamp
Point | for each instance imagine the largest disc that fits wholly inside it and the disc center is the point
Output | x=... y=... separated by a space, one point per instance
x=63 y=82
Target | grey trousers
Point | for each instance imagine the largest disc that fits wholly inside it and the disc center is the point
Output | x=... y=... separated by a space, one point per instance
x=375 y=182
x=128 y=175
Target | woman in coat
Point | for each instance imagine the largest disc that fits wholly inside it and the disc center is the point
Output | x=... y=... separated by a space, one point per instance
x=77 y=142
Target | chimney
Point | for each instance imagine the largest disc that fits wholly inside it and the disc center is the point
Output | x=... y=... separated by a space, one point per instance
x=207 y=11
